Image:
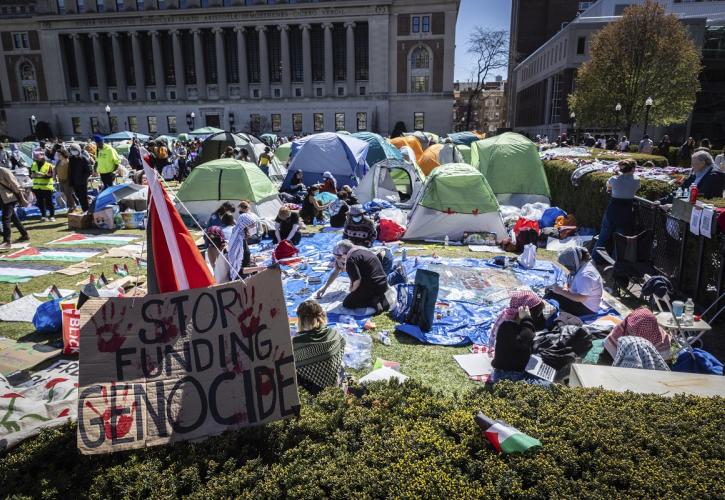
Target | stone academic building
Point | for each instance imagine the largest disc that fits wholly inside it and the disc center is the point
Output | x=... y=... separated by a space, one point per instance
x=281 y=66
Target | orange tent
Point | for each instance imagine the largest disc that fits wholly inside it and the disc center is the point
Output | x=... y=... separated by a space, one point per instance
x=429 y=159
x=409 y=141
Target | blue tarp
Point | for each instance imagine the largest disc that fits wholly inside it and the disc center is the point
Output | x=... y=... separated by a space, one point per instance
x=464 y=138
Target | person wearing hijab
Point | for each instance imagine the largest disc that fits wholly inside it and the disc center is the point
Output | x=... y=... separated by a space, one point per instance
x=584 y=289
x=517 y=300
x=639 y=323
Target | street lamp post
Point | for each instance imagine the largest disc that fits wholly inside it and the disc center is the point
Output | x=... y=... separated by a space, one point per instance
x=108 y=114
x=33 y=121
x=232 y=128
x=617 y=111
x=190 y=120
x=573 y=123
x=647 y=105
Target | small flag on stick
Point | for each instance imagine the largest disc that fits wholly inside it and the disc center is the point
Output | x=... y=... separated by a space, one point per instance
x=17 y=294
x=503 y=437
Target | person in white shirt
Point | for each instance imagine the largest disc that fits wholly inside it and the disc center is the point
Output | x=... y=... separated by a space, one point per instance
x=624 y=144
x=646 y=145
x=583 y=293
x=720 y=161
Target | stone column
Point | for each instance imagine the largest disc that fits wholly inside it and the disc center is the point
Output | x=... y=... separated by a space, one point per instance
x=100 y=68
x=118 y=64
x=138 y=66
x=179 y=73
x=158 y=66
x=306 y=60
x=263 y=60
x=242 y=62
x=199 y=64
x=329 y=76
x=350 y=46
x=285 y=60
x=221 y=63
x=81 y=70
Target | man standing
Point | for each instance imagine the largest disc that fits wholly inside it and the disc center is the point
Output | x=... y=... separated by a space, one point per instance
x=80 y=169
x=10 y=195
x=107 y=162
x=41 y=172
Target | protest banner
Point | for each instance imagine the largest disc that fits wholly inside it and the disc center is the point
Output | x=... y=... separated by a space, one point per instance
x=184 y=365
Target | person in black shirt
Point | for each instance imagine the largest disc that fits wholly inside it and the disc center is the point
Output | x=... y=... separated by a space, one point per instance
x=287 y=226
x=339 y=210
x=368 y=281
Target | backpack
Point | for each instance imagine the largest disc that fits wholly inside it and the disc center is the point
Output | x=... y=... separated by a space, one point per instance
x=416 y=303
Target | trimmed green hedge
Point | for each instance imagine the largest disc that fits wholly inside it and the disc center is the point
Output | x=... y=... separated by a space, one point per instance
x=588 y=201
x=410 y=442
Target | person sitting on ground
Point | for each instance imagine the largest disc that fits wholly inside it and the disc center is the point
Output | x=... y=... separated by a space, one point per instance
x=339 y=210
x=312 y=208
x=228 y=224
x=639 y=323
x=640 y=353
x=583 y=294
x=619 y=214
x=216 y=216
x=287 y=226
x=318 y=349
x=611 y=143
x=624 y=144
x=329 y=184
x=228 y=152
x=220 y=266
x=518 y=299
x=351 y=198
x=646 y=145
x=514 y=341
x=368 y=281
x=296 y=191
x=358 y=228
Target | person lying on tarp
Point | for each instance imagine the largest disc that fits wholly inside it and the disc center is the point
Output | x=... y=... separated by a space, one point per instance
x=583 y=293
x=368 y=281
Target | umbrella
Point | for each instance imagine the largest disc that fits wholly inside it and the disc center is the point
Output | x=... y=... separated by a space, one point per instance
x=204 y=131
x=113 y=194
x=125 y=135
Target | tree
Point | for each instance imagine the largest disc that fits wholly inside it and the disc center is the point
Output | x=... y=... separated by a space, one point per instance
x=646 y=53
x=490 y=48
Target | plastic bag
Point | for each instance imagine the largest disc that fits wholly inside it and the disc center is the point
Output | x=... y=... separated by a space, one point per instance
x=390 y=231
x=394 y=214
x=358 y=350
x=48 y=317
x=528 y=257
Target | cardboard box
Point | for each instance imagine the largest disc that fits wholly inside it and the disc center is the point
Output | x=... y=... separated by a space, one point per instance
x=80 y=221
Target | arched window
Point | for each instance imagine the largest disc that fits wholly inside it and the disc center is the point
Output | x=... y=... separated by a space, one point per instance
x=28 y=83
x=420 y=70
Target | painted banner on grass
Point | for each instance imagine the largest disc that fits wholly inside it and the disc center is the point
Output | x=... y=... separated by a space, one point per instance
x=20 y=272
x=65 y=255
x=184 y=365
x=100 y=239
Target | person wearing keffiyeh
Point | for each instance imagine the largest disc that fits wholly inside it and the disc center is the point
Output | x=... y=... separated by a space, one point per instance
x=639 y=323
x=518 y=299
x=638 y=352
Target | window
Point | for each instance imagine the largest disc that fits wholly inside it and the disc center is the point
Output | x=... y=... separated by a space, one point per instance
x=362 y=90
x=27 y=82
x=298 y=92
x=296 y=122
x=61 y=6
x=100 y=6
x=133 y=124
x=426 y=24
x=227 y=3
x=340 y=91
x=20 y=40
x=419 y=84
x=114 y=124
x=418 y=120
x=318 y=91
x=276 y=122
x=95 y=128
x=153 y=129
x=205 y=3
x=415 y=24
x=339 y=121
x=419 y=70
x=172 y=95
x=133 y=95
x=255 y=122
x=140 y=5
x=76 y=124
x=362 y=121
x=581 y=44
x=171 y=124
x=277 y=92
x=152 y=95
x=80 y=6
x=161 y=4
x=319 y=122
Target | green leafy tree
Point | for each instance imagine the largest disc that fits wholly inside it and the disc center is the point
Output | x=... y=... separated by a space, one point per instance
x=646 y=53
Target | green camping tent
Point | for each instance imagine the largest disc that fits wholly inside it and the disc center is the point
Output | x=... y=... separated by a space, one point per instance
x=510 y=162
x=283 y=151
x=465 y=152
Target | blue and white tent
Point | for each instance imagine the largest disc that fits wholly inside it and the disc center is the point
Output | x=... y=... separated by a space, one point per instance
x=343 y=156
x=379 y=148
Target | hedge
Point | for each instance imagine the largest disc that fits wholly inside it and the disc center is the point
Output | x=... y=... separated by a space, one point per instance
x=588 y=201
x=411 y=442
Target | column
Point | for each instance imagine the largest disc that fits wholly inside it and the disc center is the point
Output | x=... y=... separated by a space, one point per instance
x=329 y=77
x=118 y=64
x=199 y=64
x=263 y=60
x=350 y=46
x=221 y=63
x=158 y=66
x=138 y=66
x=100 y=67
x=242 y=62
x=306 y=60
x=178 y=65
x=285 y=60
x=81 y=67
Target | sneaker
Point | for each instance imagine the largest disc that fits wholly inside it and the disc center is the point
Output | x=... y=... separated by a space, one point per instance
x=52 y=219
x=43 y=219
x=5 y=245
x=23 y=238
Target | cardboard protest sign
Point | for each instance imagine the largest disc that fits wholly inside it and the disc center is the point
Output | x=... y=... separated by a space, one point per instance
x=184 y=365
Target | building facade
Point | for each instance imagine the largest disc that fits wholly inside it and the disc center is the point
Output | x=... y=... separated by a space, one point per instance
x=284 y=66
x=542 y=81
x=488 y=112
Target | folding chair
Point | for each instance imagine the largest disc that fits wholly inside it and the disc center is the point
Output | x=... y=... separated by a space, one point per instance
x=631 y=263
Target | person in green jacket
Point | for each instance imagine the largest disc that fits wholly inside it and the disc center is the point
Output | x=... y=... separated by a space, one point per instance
x=107 y=162
x=42 y=174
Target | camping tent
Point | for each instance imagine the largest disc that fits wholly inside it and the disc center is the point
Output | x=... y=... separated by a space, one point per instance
x=125 y=135
x=211 y=184
x=465 y=138
x=341 y=155
x=395 y=181
x=438 y=154
x=214 y=146
x=205 y=131
x=455 y=199
x=255 y=147
x=408 y=140
x=512 y=168
x=379 y=148
x=283 y=151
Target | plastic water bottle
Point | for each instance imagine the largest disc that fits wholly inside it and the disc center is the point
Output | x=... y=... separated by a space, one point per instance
x=383 y=337
x=689 y=312
x=446 y=241
x=405 y=255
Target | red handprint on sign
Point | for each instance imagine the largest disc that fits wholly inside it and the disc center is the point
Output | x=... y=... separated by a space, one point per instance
x=107 y=331
x=253 y=326
x=123 y=422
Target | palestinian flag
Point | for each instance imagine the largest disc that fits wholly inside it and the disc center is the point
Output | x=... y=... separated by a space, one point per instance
x=503 y=437
x=101 y=239
x=65 y=255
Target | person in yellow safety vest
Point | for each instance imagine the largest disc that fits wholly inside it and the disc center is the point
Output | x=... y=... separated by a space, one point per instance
x=42 y=174
x=107 y=162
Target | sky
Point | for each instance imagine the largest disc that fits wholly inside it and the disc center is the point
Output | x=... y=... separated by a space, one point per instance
x=492 y=14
